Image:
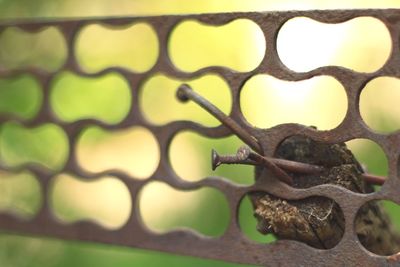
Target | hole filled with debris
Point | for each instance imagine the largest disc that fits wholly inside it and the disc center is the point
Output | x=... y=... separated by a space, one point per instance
x=376 y=227
x=317 y=221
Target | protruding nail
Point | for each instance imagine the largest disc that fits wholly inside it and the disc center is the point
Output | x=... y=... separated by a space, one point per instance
x=245 y=156
x=241 y=157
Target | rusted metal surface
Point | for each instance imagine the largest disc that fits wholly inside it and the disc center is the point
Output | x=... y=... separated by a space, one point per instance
x=232 y=246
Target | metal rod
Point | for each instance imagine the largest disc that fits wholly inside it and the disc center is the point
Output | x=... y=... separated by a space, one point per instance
x=288 y=165
x=217 y=160
x=373 y=179
x=185 y=92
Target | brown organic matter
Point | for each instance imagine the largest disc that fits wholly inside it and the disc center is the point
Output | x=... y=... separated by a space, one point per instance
x=319 y=221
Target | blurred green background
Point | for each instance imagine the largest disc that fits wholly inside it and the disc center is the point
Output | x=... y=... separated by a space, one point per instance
x=362 y=44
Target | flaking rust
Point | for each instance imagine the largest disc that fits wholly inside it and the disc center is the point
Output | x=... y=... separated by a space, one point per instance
x=318 y=221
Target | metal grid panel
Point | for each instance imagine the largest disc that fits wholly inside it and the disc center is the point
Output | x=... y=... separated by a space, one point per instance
x=232 y=245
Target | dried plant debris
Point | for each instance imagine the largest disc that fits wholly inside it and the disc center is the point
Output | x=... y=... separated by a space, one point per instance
x=319 y=221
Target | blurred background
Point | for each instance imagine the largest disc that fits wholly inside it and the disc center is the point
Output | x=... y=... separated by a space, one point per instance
x=362 y=44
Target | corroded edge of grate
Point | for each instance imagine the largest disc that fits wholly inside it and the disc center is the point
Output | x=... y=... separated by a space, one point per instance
x=232 y=245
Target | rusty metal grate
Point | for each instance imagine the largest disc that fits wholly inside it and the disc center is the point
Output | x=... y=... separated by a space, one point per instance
x=232 y=245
